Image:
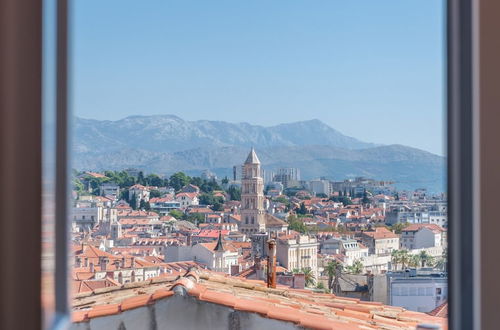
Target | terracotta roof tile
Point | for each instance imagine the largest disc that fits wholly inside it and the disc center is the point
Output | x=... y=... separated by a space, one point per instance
x=161 y=293
x=79 y=316
x=251 y=306
x=302 y=307
x=104 y=310
x=284 y=314
x=135 y=302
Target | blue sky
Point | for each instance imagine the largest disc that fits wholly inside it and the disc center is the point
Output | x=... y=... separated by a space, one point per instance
x=371 y=69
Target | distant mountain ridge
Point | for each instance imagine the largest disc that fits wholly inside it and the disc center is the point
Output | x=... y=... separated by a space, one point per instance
x=168 y=133
x=166 y=144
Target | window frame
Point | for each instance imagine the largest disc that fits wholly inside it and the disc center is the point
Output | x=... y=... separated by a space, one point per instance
x=469 y=163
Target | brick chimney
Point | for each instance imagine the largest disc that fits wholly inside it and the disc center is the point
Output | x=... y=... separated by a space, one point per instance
x=85 y=262
x=271 y=264
x=123 y=262
x=78 y=262
x=132 y=263
x=103 y=263
x=91 y=267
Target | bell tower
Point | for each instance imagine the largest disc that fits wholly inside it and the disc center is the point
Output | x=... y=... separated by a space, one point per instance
x=252 y=196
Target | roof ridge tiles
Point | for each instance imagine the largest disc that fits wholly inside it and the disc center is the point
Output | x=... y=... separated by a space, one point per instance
x=301 y=307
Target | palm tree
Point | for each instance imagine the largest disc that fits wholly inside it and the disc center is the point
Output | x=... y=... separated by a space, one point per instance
x=395 y=258
x=400 y=257
x=425 y=258
x=404 y=258
x=308 y=275
x=414 y=260
x=332 y=268
x=356 y=268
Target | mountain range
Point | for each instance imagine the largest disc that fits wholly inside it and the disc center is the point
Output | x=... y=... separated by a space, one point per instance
x=165 y=144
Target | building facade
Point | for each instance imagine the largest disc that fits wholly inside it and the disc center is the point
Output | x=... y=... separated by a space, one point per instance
x=298 y=252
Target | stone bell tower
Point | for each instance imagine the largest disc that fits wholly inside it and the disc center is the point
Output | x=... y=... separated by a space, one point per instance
x=252 y=196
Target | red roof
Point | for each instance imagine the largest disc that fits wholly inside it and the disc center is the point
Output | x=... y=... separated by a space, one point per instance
x=418 y=226
x=380 y=233
x=211 y=233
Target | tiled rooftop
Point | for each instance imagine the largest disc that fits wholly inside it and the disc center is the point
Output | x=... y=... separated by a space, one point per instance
x=301 y=307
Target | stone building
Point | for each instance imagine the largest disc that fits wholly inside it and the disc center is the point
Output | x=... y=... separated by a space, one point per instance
x=252 y=196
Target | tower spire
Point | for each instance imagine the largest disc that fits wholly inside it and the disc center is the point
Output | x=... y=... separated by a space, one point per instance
x=252 y=157
x=219 y=247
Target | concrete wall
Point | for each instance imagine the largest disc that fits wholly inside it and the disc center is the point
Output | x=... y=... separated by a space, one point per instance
x=183 y=312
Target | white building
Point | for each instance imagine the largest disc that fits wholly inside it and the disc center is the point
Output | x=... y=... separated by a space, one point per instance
x=187 y=199
x=416 y=292
x=320 y=187
x=439 y=218
x=419 y=236
x=110 y=189
x=163 y=205
x=380 y=241
x=86 y=218
x=348 y=247
x=217 y=256
x=297 y=252
x=138 y=193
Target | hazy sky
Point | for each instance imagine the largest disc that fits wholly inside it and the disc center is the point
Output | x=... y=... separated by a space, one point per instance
x=371 y=69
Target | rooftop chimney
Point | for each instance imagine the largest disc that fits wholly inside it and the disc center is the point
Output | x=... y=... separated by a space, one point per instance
x=271 y=264
x=85 y=262
x=132 y=263
x=91 y=267
x=104 y=262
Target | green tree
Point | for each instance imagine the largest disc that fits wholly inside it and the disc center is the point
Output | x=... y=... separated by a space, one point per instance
x=398 y=227
x=225 y=180
x=179 y=180
x=78 y=185
x=333 y=268
x=309 y=277
x=321 y=195
x=195 y=218
x=197 y=181
x=154 y=193
x=425 y=259
x=400 y=257
x=302 y=209
x=414 y=260
x=356 y=268
x=154 y=180
x=133 y=202
x=209 y=186
x=321 y=286
x=142 y=204
x=176 y=214
x=234 y=193
x=296 y=224
x=441 y=262
x=218 y=206
x=140 y=178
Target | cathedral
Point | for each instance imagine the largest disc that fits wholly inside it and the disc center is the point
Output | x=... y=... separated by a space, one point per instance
x=254 y=218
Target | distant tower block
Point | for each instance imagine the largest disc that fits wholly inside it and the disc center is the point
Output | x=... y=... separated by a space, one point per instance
x=252 y=196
